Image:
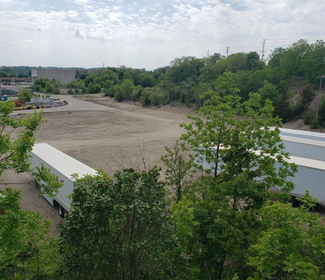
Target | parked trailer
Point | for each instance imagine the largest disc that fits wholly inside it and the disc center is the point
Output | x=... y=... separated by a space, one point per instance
x=307 y=151
x=62 y=166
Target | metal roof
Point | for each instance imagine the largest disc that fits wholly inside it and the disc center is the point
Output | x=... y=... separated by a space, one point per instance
x=60 y=161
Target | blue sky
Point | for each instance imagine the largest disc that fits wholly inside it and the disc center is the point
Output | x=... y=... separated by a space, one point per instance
x=148 y=33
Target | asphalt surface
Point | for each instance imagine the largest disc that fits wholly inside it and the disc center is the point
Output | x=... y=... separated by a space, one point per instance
x=74 y=105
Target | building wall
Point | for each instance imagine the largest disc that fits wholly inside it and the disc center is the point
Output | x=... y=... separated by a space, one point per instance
x=63 y=76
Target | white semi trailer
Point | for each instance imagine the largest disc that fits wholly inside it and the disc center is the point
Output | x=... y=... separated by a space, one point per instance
x=307 y=151
x=62 y=166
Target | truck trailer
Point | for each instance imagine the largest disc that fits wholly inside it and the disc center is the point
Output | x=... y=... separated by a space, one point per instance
x=307 y=151
x=63 y=166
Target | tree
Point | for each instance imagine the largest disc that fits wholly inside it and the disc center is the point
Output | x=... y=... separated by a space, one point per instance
x=27 y=250
x=93 y=88
x=4 y=74
x=25 y=94
x=269 y=91
x=248 y=157
x=125 y=90
x=14 y=151
x=291 y=246
x=253 y=61
x=119 y=228
x=313 y=63
x=146 y=80
x=179 y=168
x=184 y=68
x=236 y=140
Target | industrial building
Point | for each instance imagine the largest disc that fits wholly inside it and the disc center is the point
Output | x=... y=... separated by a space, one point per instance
x=64 y=76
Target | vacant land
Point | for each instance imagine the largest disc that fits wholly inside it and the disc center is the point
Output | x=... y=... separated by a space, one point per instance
x=105 y=140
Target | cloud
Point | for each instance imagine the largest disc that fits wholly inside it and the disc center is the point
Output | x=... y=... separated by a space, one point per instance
x=137 y=30
x=78 y=34
x=29 y=41
x=81 y=2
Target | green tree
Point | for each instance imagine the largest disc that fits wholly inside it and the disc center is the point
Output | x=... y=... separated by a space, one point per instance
x=119 y=228
x=269 y=91
x=27 y=250
x=184 y=68
x=248 y=159
x=291 y=246
x=125 y=90
x=313 y=63
x=253 y=61
x=93 y=88
x=237 y=139
x=77 y=84
x=146 y=80
x=276 y=57
x=292 y=59
x=14 y=151
x=25 y=94
x=179 y=168
x=4 y=74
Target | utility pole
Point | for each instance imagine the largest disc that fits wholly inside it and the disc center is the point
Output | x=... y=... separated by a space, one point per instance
x=227 y=51
x=320 y=90
x=263 y=46
x=118 y=63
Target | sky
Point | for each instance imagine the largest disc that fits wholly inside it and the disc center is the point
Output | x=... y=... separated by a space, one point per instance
x=149 y=33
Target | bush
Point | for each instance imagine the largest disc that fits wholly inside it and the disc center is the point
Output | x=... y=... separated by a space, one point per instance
x=25 y=94
x=109 y=92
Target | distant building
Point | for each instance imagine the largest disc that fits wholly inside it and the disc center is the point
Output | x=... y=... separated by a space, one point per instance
x=13 y=80
x=62 y=75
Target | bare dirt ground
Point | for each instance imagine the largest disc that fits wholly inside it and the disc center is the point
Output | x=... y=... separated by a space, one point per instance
x=105 y=140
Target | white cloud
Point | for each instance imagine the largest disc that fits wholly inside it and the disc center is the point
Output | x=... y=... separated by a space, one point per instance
x=29 y=41
x=170 y=29
x=81 y=2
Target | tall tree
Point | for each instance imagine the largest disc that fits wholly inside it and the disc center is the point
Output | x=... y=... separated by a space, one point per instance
x=237 y=141
x=119 y=229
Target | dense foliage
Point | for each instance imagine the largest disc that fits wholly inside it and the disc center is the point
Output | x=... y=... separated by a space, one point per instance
x=282 y=80
x=27 y=250
x=46 y=85
x=120 y=228
x=15 y=71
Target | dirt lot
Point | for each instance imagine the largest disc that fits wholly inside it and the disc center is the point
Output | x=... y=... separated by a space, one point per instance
x=106 y=140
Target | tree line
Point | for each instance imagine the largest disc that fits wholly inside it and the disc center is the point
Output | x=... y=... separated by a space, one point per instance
x=297 y=65
x=229 y=221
